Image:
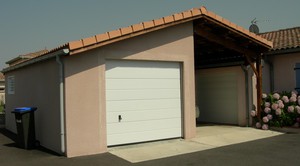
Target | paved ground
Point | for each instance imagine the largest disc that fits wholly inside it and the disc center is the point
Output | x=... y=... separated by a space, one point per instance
x=208 y=137
x=278 y=150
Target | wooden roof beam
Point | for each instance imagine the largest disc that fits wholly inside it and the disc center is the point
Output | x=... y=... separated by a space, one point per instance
x=219 y=40
x=230 y=45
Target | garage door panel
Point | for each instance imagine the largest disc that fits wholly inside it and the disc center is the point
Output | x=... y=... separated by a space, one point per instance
x=143 y=115
x=133 y=105
x=140 y=126
x=124 y=138
x=114 y=84
x=140 y=69
x=146 y=94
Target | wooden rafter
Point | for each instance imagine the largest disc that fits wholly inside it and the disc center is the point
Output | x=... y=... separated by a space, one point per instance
x=228 y=44
x=259 y=85
x=219 y=40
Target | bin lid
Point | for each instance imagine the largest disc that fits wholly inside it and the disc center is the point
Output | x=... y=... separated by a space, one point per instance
x=24 y=109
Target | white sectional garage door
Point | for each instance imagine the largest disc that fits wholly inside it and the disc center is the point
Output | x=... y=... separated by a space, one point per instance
x=143 y=101
x=217 y=97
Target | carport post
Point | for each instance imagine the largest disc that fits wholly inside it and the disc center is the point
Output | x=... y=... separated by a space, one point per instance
x=259 y=84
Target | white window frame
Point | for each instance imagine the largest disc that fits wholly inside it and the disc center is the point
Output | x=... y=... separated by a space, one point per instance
x=11 y=85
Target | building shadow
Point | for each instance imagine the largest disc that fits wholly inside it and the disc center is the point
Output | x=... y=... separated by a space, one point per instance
x=13 y=143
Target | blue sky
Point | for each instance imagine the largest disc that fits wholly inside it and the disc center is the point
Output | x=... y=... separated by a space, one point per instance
x=32 y=25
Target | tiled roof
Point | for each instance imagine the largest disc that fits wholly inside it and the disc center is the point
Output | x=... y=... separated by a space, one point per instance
x=22 y=58
x=144 y=27
x=99 y=40
x=284 y=38
x=37 y=53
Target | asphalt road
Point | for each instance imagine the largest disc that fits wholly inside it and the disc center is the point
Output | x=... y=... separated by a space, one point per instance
x=280 y=150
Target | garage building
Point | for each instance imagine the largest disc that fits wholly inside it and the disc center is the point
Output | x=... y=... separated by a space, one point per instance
x=138 y=83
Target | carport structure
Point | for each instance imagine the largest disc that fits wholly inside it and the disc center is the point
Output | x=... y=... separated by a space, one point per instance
x=137 y=83
x=220 y=43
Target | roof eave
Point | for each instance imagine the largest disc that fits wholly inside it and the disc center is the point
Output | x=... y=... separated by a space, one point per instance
x=283 y=51
x=47 y=56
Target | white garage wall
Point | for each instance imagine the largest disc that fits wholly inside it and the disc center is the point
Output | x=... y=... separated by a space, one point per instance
x=226 y=104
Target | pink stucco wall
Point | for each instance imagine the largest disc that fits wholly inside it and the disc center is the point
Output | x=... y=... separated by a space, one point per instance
x=37 y=85
x=284 y=73
x=85 y=84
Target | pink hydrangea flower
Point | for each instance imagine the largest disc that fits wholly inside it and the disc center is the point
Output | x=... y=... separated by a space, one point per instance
x=280 y=104
x=265 y=119
x=298 y=120
x=267 y=110
x=264 y=95
x=293 y=99
x=274 y=106
x=276 y=96
x=278 y=111
x=267 y=104
x=291 y=108
x=294 y=92
x=253 y=113
x=285 y=99
x=297 y=109
x=298 y=97
x=258 y=125
x=265 y=126
x=270 y=117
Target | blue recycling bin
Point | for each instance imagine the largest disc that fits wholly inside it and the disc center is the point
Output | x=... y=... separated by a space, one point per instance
x=24 y=117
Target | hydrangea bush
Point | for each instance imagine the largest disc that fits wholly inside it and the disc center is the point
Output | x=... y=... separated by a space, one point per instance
x=278 y=109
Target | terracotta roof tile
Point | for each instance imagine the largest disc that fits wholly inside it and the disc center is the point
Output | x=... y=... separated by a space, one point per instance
x=89 y=41
x=126 y=30
x=187 y=14
x=284 y=38
x=169 y=19
x=137 y=27
x=148 y=24
x=158 y=22
x=178 y=16
x=102 y=37
x=203 y=10
x=115 y=33
x=196 y=11
x=75 y=44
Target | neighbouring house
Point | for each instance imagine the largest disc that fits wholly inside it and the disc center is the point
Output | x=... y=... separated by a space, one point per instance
x=22 y=58
x=139 y=83
x=281 y=71
x=2 y=88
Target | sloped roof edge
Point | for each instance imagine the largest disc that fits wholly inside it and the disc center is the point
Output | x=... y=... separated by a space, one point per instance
x=144 y=27
x=99 y=40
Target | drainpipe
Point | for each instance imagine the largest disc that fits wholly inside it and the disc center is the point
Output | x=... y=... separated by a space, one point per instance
x=245 y=69
x=62 y=99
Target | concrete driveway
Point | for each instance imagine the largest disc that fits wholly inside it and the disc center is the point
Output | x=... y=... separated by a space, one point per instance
x=208 y=137
x=219 y=145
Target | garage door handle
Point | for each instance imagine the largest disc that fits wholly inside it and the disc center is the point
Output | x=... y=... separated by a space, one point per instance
x=120 y=118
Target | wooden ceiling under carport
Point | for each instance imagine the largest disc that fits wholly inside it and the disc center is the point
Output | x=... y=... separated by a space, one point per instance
x=217 y=45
